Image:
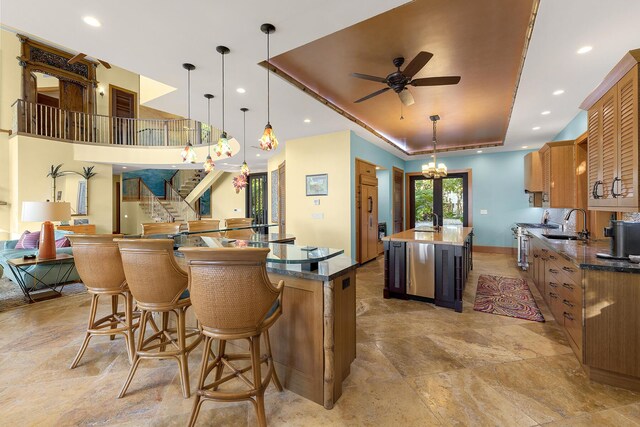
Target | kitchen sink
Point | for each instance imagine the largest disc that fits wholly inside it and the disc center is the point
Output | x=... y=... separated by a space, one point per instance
x=562 y=236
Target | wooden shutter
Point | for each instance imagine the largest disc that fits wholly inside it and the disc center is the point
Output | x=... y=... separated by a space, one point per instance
x=609 y=145
x=594 y=148
x=628 y=139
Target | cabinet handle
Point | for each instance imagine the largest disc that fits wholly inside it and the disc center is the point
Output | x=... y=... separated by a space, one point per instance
x=553 y=271
x=613 y=187
x=553 y=285
x=535 y=255
x=544 y=250
x=568 y=270
x=567 y=303
x=567 y=315
x=552 y=257
x=595 y=193
x=568 y=286
x=553 y=295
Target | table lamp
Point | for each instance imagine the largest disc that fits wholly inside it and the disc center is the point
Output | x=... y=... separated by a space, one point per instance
x=46 y=212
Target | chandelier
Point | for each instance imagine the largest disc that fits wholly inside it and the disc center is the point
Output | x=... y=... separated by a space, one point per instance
x=430 y=170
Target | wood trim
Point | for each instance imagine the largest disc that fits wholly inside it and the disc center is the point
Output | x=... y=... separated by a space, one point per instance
x=506 y=250
x=135 y=99
x=628 y=61
x=7 y=131
x=404 y=213
x=407 y=195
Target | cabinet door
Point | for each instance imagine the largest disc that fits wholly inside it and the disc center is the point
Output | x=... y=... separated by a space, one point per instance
x=594 y=147
x=609 y=146
x=626 y=185
x=395 y=269
x=546 y=178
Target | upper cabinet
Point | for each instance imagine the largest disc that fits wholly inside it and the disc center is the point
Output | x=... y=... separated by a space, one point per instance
x=558 y=174
x=613 y=139
x=532 y=173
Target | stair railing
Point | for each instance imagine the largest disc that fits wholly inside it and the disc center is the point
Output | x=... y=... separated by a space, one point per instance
x=151 y=205
x=184 y=209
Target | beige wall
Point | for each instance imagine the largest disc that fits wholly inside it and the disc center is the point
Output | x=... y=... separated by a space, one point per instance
x=31 y=159
x=131 y=218
x=118 y=77
x=329 y=223
x=225 y=203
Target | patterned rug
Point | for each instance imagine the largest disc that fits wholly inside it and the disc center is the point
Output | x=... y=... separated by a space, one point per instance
x=506 y=296
x=11 y=296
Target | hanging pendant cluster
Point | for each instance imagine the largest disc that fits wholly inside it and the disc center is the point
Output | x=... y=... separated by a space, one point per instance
x=268 y=141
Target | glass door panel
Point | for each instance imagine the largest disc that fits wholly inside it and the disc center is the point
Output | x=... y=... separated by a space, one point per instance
x=453 y=201
x=423 y=210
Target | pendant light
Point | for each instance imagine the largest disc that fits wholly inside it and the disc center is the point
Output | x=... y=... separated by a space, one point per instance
x=431 y=170
x=268 y=141
x=188 y=153
x=208 y=164
x=223 y=146
x=245 y=167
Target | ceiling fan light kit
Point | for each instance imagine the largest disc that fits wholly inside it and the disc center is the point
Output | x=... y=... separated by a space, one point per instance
x=188 y=154
x=223 y=146
x=400 y=80
x=434 y=169
x=268 y=141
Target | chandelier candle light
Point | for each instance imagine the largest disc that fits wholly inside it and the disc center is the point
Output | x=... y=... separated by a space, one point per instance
x=223 y=146
x=431 y=170
x=188 y=153
x=268 y=141
x=208 y=164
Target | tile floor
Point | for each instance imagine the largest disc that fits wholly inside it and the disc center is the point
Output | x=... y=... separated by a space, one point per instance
x=416 y=365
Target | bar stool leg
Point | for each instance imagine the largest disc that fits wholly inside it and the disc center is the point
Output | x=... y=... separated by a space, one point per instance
x=182 y=357
x=87 y=337
x=274 y=376
x=114 y=312
x=144 y=315
x=222 y=346
x=165 y=327
x=129 y=335
x=197 y=404
x=257 y=380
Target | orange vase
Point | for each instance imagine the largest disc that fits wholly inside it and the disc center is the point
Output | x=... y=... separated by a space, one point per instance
x=47 y=249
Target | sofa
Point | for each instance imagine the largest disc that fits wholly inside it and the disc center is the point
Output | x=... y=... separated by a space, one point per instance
x=8 y=251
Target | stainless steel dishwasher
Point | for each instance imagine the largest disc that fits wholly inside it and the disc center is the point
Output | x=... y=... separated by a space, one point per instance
x=421 y=270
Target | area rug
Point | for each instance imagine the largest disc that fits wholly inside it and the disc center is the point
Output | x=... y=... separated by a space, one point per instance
x=11 y=296
x=506 y=296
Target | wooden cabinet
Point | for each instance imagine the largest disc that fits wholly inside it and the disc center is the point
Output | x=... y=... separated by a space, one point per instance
x=368 y=218
x=558 y=174
x=532 y=173
x=612 y=121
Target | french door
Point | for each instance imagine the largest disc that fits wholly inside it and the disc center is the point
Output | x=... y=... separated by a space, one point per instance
x=447 y=197
x=256 y=200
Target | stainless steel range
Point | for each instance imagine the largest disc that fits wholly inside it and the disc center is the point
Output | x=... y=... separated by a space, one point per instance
x=522 y=235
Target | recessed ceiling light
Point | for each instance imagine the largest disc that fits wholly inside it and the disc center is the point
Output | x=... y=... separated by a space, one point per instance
x=546 y=112
x=173 y=166
x=257 y=155
x=124 y=167
x=377 y=168
x=479 y=151
x=535 y=128
x=241 y=90
x=225 y=163
x=307 y=120
x=90 y=20
x=584 y=49
x=558 y=92
x=525 y=146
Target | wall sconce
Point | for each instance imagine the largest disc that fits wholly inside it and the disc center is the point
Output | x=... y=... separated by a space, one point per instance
x=101 y=90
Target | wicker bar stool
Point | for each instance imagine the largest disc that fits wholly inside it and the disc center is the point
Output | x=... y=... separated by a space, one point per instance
x=98 y=262
x=158 y=284
x=233 y=299
x=245 y=233
x=149 y=228
x=204 y=226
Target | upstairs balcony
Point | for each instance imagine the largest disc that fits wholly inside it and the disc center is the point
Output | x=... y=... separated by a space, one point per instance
x=50 y=122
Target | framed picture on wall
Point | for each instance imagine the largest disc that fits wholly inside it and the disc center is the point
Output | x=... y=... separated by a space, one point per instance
x=318 y=185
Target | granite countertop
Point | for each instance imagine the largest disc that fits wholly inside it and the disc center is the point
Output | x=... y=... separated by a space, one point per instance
x=583 y=254
x=327 y=270
x=448 y=235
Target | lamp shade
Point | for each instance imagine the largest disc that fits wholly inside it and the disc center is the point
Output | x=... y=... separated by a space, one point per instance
x=46 y=211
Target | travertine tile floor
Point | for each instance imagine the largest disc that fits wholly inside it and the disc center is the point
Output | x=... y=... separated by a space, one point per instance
x=416 y=365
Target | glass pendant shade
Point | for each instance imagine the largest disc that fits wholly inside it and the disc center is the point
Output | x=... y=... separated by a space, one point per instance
x=245 y=169
x=223 y=147
x=208 y=165
x=188 y=154
x=268 y=141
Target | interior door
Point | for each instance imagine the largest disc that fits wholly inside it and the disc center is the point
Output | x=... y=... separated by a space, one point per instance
x=123 y=109
x=369 y=222
x=282 y=199
x=256 y=199
x=446 y=197
x=72 y=102
x=398 y=192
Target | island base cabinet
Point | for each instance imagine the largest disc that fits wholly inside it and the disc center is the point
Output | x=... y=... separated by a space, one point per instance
x=395 y=269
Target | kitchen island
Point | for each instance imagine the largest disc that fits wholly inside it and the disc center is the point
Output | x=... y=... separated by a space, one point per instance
x=428 y=264
x=596 y=301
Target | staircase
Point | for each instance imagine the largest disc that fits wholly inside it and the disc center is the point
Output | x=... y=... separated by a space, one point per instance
x=185 y=180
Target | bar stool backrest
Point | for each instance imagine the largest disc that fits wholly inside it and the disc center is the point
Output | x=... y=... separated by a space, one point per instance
x=155 y=279
x=205 y=225
x=230 y=289
x=239 y=222
x=98 y=261
x=160 y=228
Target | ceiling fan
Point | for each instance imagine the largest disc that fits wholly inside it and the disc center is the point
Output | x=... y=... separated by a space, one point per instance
x=399 y=80
x=80 y=56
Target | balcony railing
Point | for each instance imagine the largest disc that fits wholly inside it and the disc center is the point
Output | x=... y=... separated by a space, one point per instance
x=51 y=122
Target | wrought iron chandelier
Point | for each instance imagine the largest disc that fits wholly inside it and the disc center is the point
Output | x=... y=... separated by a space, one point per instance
x=434 y=169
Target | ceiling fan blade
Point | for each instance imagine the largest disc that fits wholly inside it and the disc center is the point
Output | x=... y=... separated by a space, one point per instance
x=406 y=97
x=105 y=64
x=368 y=77
x=76 y=58
x=417 y=63
x=371 y=95
x=436 y=81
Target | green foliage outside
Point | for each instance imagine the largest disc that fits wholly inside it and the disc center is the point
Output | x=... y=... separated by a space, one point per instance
x=452 y=206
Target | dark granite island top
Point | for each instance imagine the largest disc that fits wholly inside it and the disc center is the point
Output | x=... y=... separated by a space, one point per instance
x=447 y=235
x=583 y=254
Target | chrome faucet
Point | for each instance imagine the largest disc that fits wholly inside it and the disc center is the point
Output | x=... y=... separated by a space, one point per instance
x=584 y=234
x=436 y=224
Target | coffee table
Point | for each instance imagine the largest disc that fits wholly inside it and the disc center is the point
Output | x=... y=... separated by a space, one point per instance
x=20 y=266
